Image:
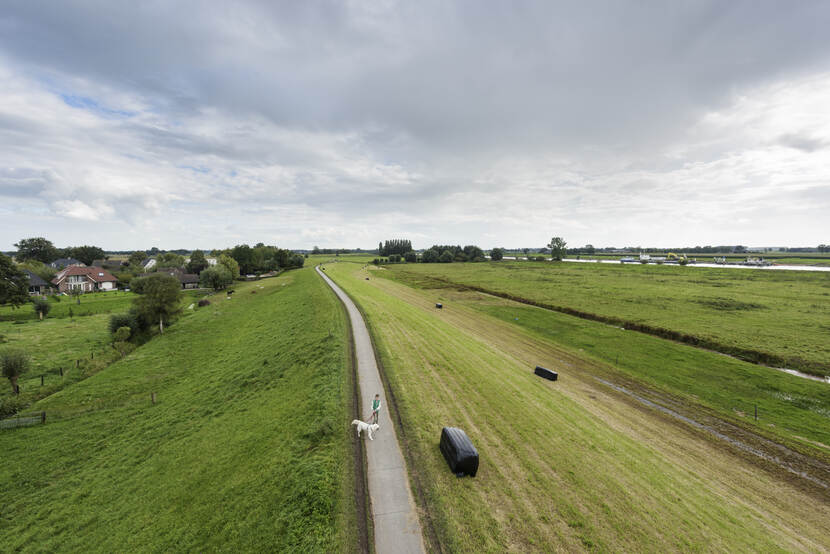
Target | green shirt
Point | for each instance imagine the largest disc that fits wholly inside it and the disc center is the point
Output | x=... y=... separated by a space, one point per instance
x=375 y=404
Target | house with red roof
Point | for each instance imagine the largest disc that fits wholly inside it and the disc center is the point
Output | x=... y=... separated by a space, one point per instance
x=85 y=279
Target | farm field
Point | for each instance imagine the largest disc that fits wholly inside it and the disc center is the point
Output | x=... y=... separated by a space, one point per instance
x=569 y=465
x=781 y=318
x=246 y=448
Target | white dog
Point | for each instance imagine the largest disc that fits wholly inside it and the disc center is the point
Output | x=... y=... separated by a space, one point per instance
x=363 y=426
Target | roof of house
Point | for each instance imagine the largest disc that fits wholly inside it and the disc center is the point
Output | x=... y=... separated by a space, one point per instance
x=96 y=274
x=63 y=262
x=34 y=279
x=183 y=277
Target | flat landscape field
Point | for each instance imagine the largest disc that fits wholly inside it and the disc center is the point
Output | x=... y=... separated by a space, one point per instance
x=89 y=304
x=565 y=466
x=778 y=317
x=247 y=447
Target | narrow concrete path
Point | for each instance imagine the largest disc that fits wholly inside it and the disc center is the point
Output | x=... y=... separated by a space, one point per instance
x=396 y=525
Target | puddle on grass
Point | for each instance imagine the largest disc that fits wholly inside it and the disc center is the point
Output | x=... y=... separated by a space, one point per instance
x=739 y=444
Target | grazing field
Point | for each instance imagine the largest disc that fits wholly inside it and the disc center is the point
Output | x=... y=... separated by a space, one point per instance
x=247 y=447
x=565 y=466
x=780 y=318
x=87 y=304
x=777 y=258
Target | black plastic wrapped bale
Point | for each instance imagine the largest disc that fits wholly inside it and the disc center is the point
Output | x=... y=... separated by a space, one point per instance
x=459 y=452
x=546 y=373
x=439 y=305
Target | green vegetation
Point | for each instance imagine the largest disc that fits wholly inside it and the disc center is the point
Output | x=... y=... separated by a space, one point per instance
x=779 y=317
x=564 y=466
x=245 y=449
x=90 y=304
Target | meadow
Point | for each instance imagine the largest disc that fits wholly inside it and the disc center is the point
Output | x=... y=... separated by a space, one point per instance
x=565 y=466
x=84 y=305
x=217 y=462
x=779 y=318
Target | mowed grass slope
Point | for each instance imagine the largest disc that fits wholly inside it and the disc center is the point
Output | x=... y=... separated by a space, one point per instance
x=565 y=466
x=245 y=450
x=785 y=314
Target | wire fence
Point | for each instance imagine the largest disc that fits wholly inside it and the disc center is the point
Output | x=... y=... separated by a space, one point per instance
x=23 y=420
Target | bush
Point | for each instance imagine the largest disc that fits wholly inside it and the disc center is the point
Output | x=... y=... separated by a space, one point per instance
x=122 y=334
x=10 y=405
x=430 y=256
x=410 y=257
x=204 y=302
x=217 y=277
x=496 y=254
x=128 y=320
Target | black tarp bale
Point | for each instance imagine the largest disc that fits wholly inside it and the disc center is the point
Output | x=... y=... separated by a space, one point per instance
x=439 y=305
x=459 y=452
x=546 y=373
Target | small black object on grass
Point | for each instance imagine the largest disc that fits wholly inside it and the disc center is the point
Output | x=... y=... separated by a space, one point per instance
x=439 y=305
x=546 y=373
x=459 y=452
x=367 y=278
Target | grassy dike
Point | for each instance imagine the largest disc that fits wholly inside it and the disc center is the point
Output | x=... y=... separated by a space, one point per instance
x=246 y=449
x=566 y=465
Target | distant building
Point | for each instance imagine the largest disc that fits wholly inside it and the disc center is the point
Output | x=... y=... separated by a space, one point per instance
x=61 y=263
x=149 y=263
x=36 y=284
x=188 y=280
x=84 y=279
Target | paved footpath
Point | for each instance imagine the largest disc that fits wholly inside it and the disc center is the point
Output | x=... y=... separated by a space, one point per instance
x=397 y=529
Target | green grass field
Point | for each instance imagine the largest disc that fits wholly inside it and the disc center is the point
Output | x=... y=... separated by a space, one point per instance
x=246 y=449
x=565 y=466
x=776 y=316
x=90 y=304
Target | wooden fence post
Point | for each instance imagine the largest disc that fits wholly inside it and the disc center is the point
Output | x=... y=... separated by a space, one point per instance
x=153 y=397
x=41 y=380
x=61 y=370
x=43 y=417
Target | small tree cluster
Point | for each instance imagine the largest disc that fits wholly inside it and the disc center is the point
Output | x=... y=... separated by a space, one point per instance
x=41 y=306
x=217 y=277
x=394 y=246
x=450 y=253
x=497 y=254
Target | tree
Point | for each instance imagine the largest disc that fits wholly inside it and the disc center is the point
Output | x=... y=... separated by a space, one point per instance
x=86 y=254
x=41 y=307
x=430 y=256
x=217 y=277
x=244 y=257
x=159 y=300
x=230 y=264
x=136 y=258
x=496 y=254
x=169 y=259
x=14 y=363
x=197 y=262
x=589 y=249
x=119 y=341
x=14 y=284
x=557 y=248
x=411 y=257
x=446 y=257
x=37 y=248
x=526 y=251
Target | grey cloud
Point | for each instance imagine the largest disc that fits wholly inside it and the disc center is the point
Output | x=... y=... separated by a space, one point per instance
x=803 y=142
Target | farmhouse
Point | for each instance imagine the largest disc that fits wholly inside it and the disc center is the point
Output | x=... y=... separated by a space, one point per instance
x=84 y=279
x=188 y=280
x=36 y=284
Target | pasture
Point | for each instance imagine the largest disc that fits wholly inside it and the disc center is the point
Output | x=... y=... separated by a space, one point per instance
x=565 y=466
x=247 y=447
x=777 y=317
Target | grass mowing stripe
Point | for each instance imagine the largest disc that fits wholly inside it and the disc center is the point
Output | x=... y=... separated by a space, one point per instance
x=246 y=449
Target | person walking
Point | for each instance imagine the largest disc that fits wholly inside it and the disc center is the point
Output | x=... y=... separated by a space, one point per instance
x=375 y=408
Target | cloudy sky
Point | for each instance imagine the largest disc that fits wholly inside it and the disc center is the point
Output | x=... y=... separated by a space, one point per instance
x=180 y=125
